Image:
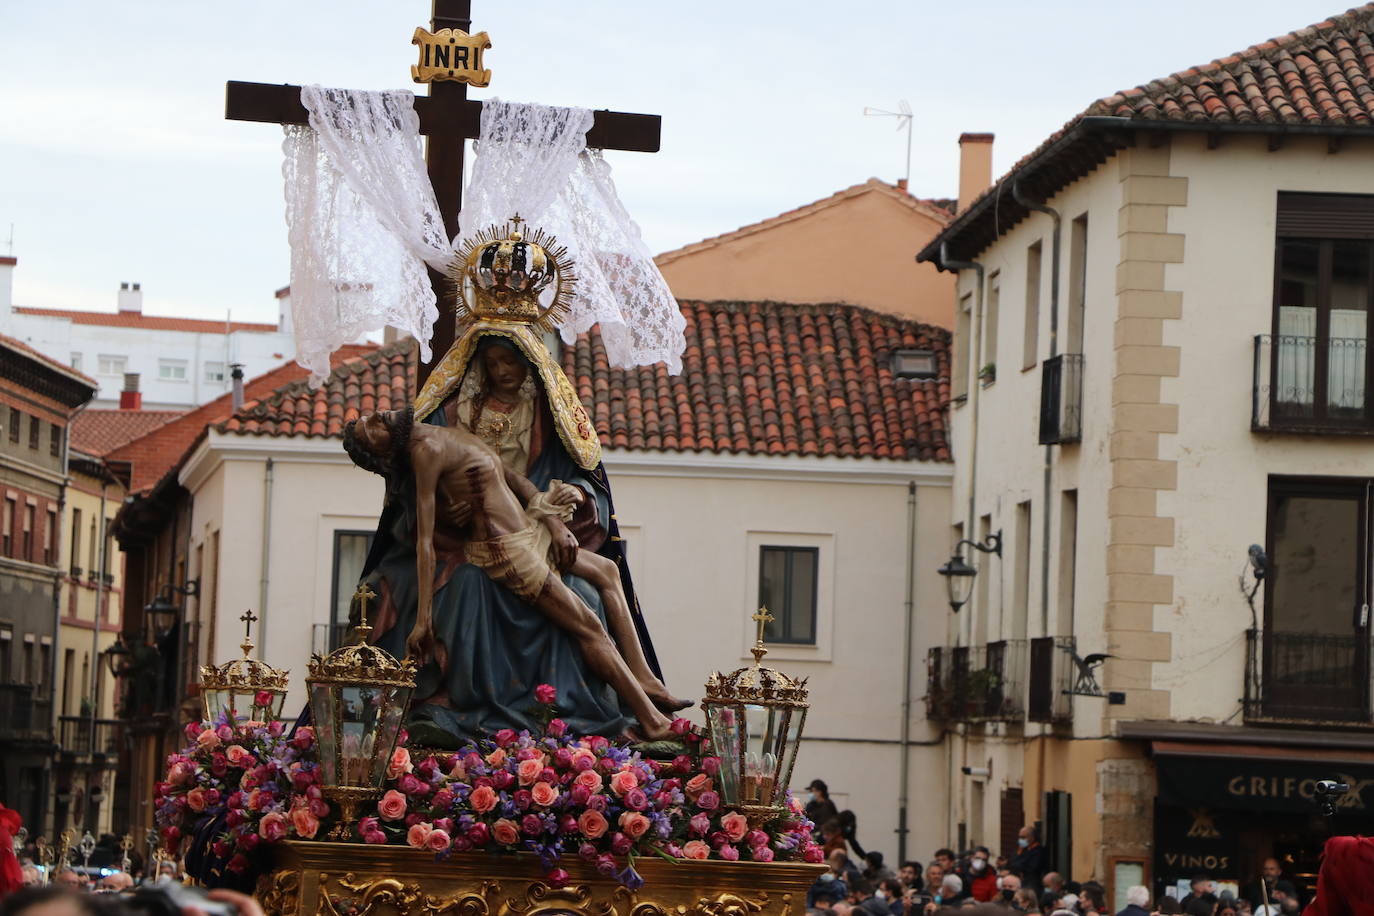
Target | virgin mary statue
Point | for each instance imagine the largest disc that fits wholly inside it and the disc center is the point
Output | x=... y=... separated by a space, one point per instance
x=500 y=382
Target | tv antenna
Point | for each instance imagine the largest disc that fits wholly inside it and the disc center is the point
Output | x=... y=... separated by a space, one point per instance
x=903 y=116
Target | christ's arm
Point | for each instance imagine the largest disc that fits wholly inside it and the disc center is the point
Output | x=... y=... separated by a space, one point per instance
x=427 y=466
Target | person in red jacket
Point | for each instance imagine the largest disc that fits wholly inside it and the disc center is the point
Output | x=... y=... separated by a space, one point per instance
x=11 y=875
x=1345 y=884
x=980 y=878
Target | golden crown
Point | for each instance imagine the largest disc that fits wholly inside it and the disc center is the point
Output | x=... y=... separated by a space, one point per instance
x=507 y=274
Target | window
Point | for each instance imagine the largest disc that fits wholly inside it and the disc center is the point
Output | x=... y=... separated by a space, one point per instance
x=16 y=418
x=111 y=365
x=350 y=552
x=68 y=670
x=7 y=533
x=171 y=370
x=26 y=674
x=76 y=541
x=76 y=361
x=1068 y=560
x=50 y=539
x=40 y=679
x=787 y=587
x=987 y=372
x=54 y=440
x=95 y=539
x=35 y=427
x=1078 y=284
x=962 y=329
x=1030 y=341
x=214 y=372
x=1020 y=594
x=26 y=547
x=6 y=645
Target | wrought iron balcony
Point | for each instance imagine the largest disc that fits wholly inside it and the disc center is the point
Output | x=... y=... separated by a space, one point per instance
x=1051 y=677
x=81 y=736
x=1061 y=399
x=977 y=683
x=1311 y=385
x=24 y=714
x=1311 y=678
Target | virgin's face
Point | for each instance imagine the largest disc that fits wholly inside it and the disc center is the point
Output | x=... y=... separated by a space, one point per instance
x=505 y=371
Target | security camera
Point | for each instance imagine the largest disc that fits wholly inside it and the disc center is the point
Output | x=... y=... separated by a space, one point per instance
x=1258 y=560
x=976 y=771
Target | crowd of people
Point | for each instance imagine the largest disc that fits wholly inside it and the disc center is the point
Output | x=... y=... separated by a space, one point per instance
x=858 y=883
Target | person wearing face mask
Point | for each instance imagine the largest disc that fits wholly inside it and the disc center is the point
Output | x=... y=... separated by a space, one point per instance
x=1030 y=856
x=820 y=809
x=979 y=877
x=1008 y=883
x=890 y=892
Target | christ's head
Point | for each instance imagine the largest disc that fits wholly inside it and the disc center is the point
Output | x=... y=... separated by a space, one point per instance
x=377 y=442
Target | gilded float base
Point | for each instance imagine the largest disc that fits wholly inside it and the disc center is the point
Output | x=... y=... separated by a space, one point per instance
x=352 y=879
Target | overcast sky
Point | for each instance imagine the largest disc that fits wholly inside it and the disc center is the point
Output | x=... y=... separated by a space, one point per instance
x=116 y=162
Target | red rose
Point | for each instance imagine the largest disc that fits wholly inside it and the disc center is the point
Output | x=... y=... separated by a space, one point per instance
x=546 y=694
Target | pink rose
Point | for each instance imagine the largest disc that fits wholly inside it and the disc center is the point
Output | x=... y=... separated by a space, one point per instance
x=624 y=781
x=813 y=854
x=589 y=780
x=546 y=694
x=479 y=834
x=225 y=733
x=497 y=757
x=583 y=759
x=273 y=827
x=181 y=773
x=634 y=824
x=708 y=801
x=195 y=799
x=304 y=738
x=239 y=756
x=557 y=877
x=543 y=794
x=696 y=849
x=729 y=853
x=529 y=771
x=620 y=843
x=735 y=826
x=761 y=854
x=636 y=799
x=505 y=832
x=411 y=785
x=482 y=799
x=375 y=837
x=208 y=740
x=592 y=824
x=400 y=763
x=710 y=765
x=700 y=824
x=262 y=698
x=439 y=840
x=392 y=807
x=756 y=838
x=192 y=730
x=306 y=824
x=556 y=729
x=442 y=799
x=504 y=737
x=418 y=835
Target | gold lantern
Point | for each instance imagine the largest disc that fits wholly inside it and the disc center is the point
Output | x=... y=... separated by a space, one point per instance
x=359 y=695
x=755 y=717
x=244 y=689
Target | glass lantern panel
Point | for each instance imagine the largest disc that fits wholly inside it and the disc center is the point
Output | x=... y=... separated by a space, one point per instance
x=323 y=708
x=394 y=701
x=760 y=754
x=725 y=744
x=788 y=756
x=217 y=704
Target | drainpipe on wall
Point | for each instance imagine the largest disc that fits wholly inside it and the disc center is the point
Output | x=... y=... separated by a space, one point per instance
x=974 y=353
x=908 y=626
x=57 y=549
x=99 y=608
x=1046 y=509
x=266 y=555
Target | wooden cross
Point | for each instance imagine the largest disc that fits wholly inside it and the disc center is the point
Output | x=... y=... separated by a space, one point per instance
x=448 y=118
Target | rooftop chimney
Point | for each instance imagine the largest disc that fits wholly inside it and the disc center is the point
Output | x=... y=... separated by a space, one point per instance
x=7 y=264
x=901 y=184
x=131 y=298
x=131 y=398
x=236 y=373
x=975 y=167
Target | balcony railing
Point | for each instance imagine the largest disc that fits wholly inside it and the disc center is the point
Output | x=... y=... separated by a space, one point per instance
x=75 y=735
x=1311 y=384
x=1312 y=678
x=977 y=683
x=1051 y=677
x=1061 y=399
x=24 y=714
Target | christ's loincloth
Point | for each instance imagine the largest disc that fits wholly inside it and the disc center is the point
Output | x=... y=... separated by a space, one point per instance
x=520 y=560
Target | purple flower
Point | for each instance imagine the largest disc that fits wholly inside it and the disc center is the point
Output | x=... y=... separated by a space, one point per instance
x=630 y=878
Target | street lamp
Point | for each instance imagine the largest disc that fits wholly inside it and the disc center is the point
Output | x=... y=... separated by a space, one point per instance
x=162 y=613
x=117 y=657
x=959 y=573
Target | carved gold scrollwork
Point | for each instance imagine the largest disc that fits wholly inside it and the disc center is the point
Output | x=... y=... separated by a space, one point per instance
x=279 y=892
x=731 y=905
x=361 y=897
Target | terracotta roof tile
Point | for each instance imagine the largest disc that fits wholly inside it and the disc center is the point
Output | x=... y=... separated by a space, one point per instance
x=99 y=432
x=774 y=379
x=148 y=322
x=48 y=361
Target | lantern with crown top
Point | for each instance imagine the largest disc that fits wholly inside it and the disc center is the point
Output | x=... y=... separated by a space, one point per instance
x=245 y=688
x=755 y=717
x=358 y=698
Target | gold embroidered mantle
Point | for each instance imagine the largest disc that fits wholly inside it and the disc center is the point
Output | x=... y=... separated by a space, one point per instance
x=569 y=416
x=353 y=879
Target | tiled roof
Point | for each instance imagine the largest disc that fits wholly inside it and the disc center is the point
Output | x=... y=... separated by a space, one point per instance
x=931 y=208
x=47 y=361
x=1319 y=75
x=1314 y=80
x=380 y=380
x=148 y=322
x=772 y=379
x=757 y=378
x=99 y=432
x=157 y=452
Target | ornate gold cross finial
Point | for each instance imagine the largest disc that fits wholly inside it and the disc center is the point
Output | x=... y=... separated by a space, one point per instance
x=248 y=618
x=517 y=219
x=763 y=619
x=363 y=595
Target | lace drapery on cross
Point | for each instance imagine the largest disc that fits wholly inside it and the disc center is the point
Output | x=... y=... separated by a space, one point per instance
x=363 y=222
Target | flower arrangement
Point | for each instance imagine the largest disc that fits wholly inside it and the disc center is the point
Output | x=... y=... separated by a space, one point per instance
x=552 y=794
